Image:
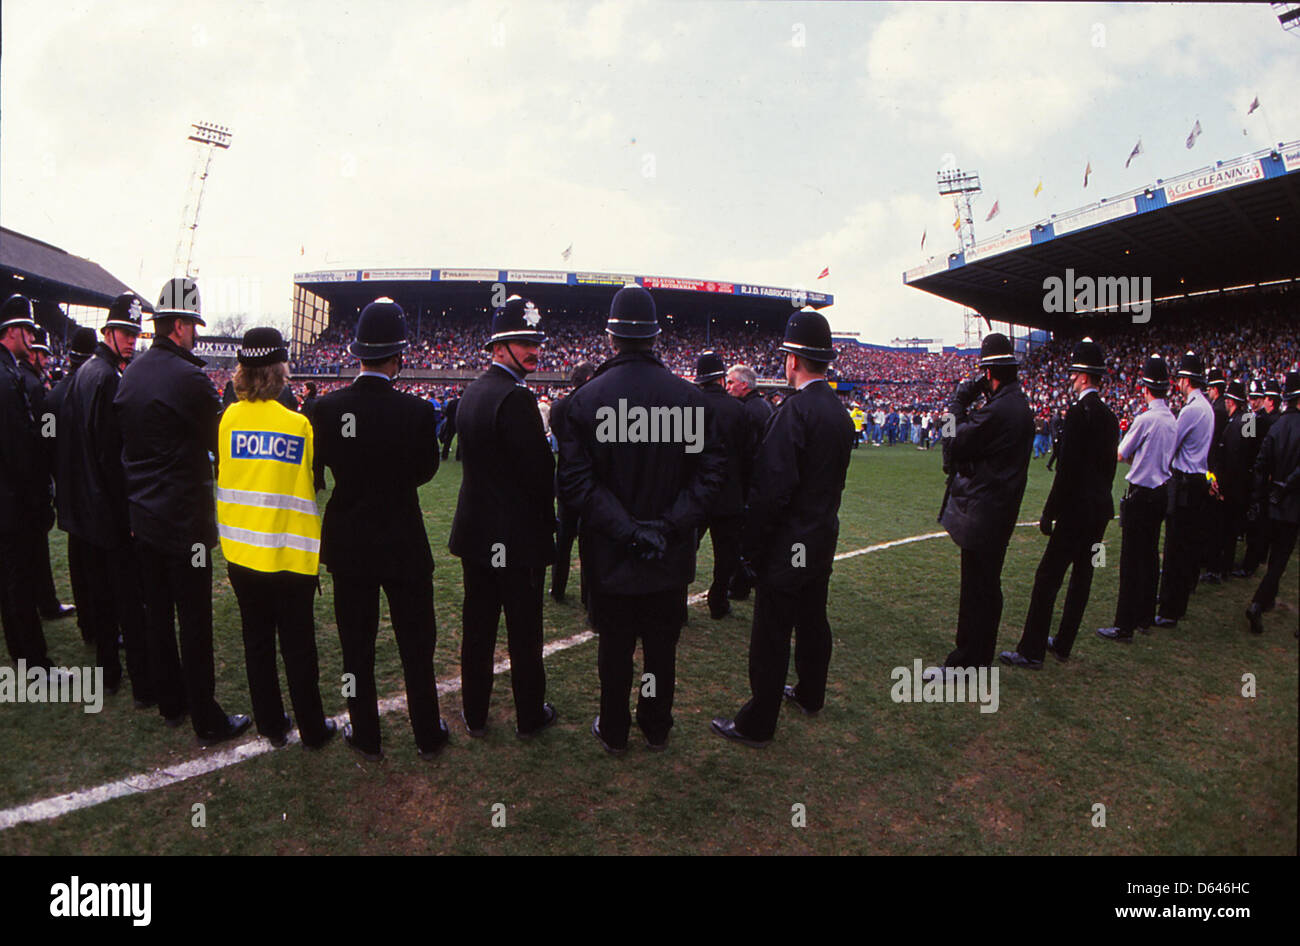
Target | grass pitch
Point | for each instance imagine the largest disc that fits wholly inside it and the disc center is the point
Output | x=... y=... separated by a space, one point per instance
x=1158 y=732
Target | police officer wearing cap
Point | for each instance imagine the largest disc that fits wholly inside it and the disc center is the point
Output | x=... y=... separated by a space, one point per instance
x=1148 y=446
x=742 y=384
x=1189 y=494
x=566 y=518
x=727 y=517
x=791 y=527
x=1078 y=510
x=504 y=528
x=22 y=489
x=1237 y=453
x=1277 y=492
x=1266 y=398
x=988 y=462
x=1215 y=386
x=93 y=507
x=270 y=536
x=640 y=500
x=380 y=445
x=167 y=412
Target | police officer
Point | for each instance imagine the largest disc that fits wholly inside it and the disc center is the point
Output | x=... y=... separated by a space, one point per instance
x=167 y=412
x=1277 y=490
x=742 y=383
x=1215 y=386
x=791 y=528
x=1189 y=494
x=1237 y=454
x=380 y=445
x=1265 y=400
x=640 y=494
x=1148 y=446
x=80 y=348
x=22 y=488
x=504 y=527
x=93 y=507
x=726 y=518
x=1078 y=510
x=988 y=462
x=566 y=518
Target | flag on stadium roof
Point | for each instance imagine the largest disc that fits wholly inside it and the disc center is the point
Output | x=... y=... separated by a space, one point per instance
x=1137 y=149
x=1086 y=173
x=567 y=251
x=824 y=273
x=1196 y=133
x=1253 y=105
x=956 y=224
x=1039 y=189
x=923 y=233
x=993 y=212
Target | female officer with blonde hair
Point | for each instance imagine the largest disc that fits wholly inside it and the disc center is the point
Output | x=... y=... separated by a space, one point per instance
x=270 y=535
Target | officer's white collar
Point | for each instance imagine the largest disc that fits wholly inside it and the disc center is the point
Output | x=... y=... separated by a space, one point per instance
x=365 y=373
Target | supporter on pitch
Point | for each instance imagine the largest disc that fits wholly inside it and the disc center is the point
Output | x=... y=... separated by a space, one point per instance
x=566 y=518
x=639 y=504
x=988 y=465
x=1277 y=494
x=504 y=528
x=379 y=443
x=93 y=507
x=742 y=383
x=1189 y=496
x=726 y=517
x=1265 y=400
x=270 y=535
x=167 y=411
x=791 y=528
x=1148 y=446
x=1078 y=510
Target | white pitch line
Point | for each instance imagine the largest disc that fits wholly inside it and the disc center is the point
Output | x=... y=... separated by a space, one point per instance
x=58 y=805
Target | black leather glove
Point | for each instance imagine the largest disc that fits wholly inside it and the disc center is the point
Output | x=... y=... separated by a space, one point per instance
x=649 y=542
x=968 y=391
x=1045 y=526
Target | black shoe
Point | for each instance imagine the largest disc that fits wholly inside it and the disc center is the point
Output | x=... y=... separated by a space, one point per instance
x=1165 y=622
x=595 y=731
x=719 y=613
x=726 y=728
x=1051 y=649
x=1211 y=578
x=331 y=730
x=236 y=723
x=789 y=694
x=470 y=730
x=428 y=755
x=58 y=612
x=551 y=717
x=281 y=739
x=1115 y=634
x=1013 y=658
x=558 y=598
x=1242 y=573
x=656 y=746
x=1254 y=614
x=365 y=754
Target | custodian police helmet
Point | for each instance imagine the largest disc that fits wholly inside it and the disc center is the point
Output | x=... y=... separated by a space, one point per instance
x=381 y=331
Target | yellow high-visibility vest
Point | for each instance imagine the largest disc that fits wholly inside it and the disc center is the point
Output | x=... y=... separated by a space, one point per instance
x=266 y=497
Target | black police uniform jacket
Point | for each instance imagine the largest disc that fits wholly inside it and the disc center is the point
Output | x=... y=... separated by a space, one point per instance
x=37 y=395
x=373 y=524
x=1238 y=453
x=1215 y=457
x=735 y=429
x=508 y=479
x=92 y=496
x=989 y=457
x=795 y=495
x=1081 y=497
x=1277 y=468
x=615 y=484
x=22 y=489
x=168 y=413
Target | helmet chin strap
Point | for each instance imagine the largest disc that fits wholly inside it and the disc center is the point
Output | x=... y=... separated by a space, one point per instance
x=510 y=350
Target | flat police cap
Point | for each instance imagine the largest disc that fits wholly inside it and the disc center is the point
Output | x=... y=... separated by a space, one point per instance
x=709 y=367
x=42 y=341
x=17 y=310
x=262 y=346
x=1214 y=378
x=381 y=331
x=996 y=349
x=1088 y=357
x=516 y=321
x=1292 y=385
x=632 y=314
x=126 y=312
x=808 y=335
x=1155 y=373
x=179 y=299
x=1191 y=366
x=1236 y=391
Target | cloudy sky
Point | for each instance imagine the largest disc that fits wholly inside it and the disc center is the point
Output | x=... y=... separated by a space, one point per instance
x=748 y=142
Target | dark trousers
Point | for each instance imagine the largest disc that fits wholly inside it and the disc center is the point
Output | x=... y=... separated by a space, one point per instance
x=410 y=605
x=47 y=598
x=779 y=612
x=178 y=590
x=1072 y=548
x=80 y=591
x=1259 y=536
x=1188 y=517
x=115 y=609
x=1232 y=526
x=1279 y=553
x=620 y=620
x=271 y=602
x=24 y=636
x=980 y=608
x=566 y=531
x=489 y=591
x=725 y=533
x=1141 y=513
x=1216 y=516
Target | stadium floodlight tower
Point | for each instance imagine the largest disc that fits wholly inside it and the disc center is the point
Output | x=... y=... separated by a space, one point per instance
x=1288 y=14
x=209 y=138
x=961 y=186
